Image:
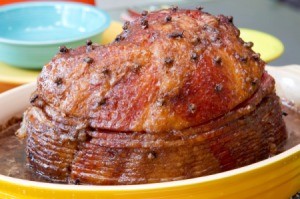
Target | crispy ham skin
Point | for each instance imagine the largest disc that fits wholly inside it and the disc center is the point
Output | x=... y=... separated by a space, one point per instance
x=170 y=99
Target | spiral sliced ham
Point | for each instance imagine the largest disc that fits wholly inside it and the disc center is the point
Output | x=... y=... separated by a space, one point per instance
x=177 y=95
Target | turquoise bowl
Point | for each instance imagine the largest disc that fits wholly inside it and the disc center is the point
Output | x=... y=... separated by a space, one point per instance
x=31 y=33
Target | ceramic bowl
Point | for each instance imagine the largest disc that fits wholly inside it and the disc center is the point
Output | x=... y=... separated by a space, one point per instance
x=30 y=33
x=11 y=77
x=276 y=177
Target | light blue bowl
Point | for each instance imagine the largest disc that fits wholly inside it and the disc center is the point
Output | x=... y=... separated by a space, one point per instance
x=31 y=33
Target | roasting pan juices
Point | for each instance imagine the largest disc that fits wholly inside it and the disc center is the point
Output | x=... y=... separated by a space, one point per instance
x=177 y=96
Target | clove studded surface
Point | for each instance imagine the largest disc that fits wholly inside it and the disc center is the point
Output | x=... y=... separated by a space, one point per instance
x=177 y=95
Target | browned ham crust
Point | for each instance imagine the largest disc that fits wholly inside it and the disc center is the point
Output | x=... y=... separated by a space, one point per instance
x=177 y=95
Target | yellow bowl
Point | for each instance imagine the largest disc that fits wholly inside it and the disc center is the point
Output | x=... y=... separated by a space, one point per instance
x=276 y=177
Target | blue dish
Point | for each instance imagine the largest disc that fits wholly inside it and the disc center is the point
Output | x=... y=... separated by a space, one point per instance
x=30 y=33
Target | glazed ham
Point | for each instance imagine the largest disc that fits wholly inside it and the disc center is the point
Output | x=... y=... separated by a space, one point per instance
x=177 y=95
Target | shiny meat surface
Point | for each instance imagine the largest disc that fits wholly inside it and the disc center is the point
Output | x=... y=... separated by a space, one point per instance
x=177 y=95
x=60 y=150
x=157 y=76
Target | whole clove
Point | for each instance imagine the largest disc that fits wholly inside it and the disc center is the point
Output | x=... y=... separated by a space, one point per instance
x=218 y=87
x=88 y=60
x=168 y=60
x=230 y=19
x=102 y=101
x=89 y=42
x=174 y=8
x=58 y=81
x=106 y=71
x=217 y=60
x=144 y=13
x=199 y=8
x=192 y=108
x=243 y=59
x=256 y=56
x=126 y=25
x=152 y=155
x=33 y=98
x=63 y=49
x=194 y=56
x=168 y=18
x=248 y=44
x=144 y=23
x=119 y=38
x=176 y=35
